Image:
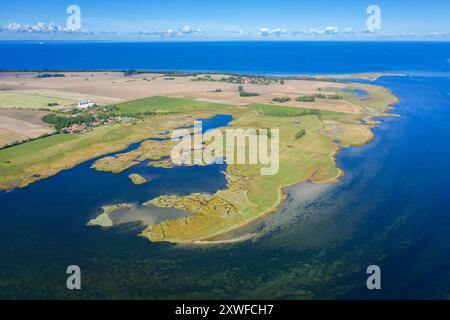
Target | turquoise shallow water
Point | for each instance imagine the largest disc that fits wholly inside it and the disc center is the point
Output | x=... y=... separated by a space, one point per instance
x=390 y=209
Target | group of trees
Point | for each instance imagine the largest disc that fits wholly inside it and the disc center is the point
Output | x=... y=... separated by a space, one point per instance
x=29 y=109
x=132 y=72
x=60 y=122
x=306 y=99
x=135 y=114
x=311 y=112
x=319 y=96
x=240 y=79
x=281 y=99
x=180 y=74
x=51 y=75
x=248 y=94
x=244 y=93
x=328 y=96
x=309 y=78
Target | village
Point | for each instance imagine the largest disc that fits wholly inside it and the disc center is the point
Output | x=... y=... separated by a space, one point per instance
x=84 y=117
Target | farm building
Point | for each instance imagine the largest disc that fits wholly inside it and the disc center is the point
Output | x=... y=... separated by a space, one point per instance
x=84 y=104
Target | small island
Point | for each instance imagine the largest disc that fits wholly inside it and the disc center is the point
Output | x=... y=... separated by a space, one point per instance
x=104 y=220
x=137 y=179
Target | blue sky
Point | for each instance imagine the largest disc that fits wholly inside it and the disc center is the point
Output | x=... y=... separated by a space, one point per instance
x=163 y=20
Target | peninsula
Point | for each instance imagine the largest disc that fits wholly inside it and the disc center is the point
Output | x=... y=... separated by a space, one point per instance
x=315 y=118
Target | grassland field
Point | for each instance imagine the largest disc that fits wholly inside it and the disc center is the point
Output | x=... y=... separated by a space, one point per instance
x=166 y=104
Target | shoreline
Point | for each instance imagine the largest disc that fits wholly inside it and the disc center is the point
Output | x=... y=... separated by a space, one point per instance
x=371 y=76
x=282 y=190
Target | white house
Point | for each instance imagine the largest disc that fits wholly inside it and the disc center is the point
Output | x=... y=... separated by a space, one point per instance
x=84 y=104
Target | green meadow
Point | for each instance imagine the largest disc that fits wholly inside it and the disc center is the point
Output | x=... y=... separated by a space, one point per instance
x=165 y=104
x=288 y=111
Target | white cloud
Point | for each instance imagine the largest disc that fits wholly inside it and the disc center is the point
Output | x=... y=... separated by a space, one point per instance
x=162 y=34
x=438 y=34
x=371 y=31
x=326 y=31
x=108 y=32
x=315 y=31
x=299 y=31
x=40 y=27
x=312 y=31
x=331 y=30
x=187 y=30
x=349 y=30
x=265 y=32
x=239 y=32
x=279 y=32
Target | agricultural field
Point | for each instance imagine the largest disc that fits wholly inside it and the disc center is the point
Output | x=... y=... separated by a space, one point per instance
x=19 y=125
x=33 y=101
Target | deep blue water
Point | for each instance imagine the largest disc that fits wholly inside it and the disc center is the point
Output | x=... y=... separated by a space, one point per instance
x=390 y=209
x=241 y=57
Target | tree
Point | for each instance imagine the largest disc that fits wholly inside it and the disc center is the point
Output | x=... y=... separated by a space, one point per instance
x=300 y=133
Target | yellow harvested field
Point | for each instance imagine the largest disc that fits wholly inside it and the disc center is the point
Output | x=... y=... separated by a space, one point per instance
x=18 y=125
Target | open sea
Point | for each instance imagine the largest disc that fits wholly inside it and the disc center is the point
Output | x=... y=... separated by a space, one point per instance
x=391 y=208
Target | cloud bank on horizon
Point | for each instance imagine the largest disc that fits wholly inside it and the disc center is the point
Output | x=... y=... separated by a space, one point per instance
x=201 y=19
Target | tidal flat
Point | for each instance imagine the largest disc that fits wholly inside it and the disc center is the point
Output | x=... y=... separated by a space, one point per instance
x=131 y=213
